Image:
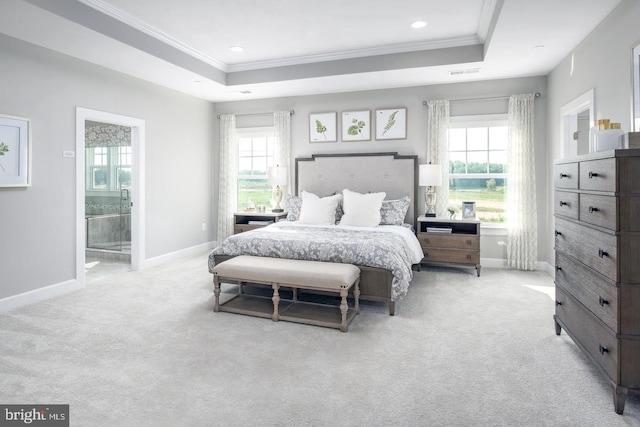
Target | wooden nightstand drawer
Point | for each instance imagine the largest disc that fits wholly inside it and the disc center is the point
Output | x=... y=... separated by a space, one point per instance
x=453 y=256
x=456 y=241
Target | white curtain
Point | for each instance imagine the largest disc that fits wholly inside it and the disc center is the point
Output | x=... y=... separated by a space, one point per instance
x=228 y=179
x=282 y=125
x=438 y=149
x=522 y=218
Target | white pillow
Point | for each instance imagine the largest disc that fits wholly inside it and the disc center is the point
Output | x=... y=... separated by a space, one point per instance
x=316 y=210
x=361 y=210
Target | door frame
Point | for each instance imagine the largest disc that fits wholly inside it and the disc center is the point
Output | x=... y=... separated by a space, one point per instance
x=137 y=183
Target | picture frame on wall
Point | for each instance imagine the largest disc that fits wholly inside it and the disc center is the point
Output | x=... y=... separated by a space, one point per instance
x=323 y=127
x=468 y=210
x=391 y=123
x=356 y=125
x=15 y=151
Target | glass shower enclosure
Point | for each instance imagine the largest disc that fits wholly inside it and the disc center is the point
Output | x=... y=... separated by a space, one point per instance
x=108 y=188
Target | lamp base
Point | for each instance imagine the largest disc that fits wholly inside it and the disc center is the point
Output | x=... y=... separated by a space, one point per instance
x=277 y=210
x=430 y=215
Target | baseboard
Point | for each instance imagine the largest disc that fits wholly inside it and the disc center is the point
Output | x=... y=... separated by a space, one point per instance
x=502 y=263
x=38 y=295
x=182 y=253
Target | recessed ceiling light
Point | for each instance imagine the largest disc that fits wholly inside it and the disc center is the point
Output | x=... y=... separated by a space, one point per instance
x=237 y=48
x=418 y=24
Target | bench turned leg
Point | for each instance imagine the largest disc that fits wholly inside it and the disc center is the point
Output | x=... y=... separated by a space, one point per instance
x=276 y=302
x=343 y=309
x=356 y=296
x=216 y=292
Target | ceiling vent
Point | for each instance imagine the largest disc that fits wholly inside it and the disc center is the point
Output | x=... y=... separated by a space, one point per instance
x=463 y=72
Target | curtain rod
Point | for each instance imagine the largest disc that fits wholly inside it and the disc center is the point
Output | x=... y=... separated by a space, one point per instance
x=291 y=112
x=490 y=98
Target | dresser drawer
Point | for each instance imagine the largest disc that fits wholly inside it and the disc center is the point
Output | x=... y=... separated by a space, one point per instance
x=567 y=204
x=594 y=248
x=594 y=292
x=565 y=175
x=600 y=343
x=451 y=256
x=598 y=175
x=457 y=241
x=599 y=210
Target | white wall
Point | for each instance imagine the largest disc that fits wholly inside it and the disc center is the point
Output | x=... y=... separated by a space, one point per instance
x=602 y=61
x=37 y=224
x=417 y=127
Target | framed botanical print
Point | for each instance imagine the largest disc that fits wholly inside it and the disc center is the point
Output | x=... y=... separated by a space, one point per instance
x=15 y=152
x=323 y=127
x=356 y=125
x=391 y=123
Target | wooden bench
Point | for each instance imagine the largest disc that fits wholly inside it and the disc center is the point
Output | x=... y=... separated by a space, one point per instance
x=294 y=274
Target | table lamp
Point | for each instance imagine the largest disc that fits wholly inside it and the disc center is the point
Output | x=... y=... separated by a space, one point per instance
x=430 y=176
x=277 y=177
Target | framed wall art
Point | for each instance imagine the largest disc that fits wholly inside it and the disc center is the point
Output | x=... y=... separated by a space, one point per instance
x=323 y=127
x=15 y=151
x=356 y=125
x=391 y=123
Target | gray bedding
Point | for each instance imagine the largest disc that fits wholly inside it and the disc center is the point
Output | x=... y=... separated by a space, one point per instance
x=379 y=249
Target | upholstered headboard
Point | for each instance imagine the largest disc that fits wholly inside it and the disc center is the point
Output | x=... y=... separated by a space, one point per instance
x=326 y=174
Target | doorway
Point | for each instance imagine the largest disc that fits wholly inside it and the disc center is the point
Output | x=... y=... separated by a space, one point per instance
x=109 y=194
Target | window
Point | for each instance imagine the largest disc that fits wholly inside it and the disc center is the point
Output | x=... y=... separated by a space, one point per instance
x=256 y=153
x=478 y=165
x=109 y=168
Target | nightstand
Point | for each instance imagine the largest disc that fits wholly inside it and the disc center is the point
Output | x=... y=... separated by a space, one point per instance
x=245 y=221
x=450 y=241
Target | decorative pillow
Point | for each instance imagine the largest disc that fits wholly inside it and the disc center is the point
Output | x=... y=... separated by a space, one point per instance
x=394 y=211
x=293 y=204
x=316 y=210
x=362 y=210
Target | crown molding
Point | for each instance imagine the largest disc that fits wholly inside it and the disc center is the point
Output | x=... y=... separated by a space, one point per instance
x=130 y=20
x=357 y=53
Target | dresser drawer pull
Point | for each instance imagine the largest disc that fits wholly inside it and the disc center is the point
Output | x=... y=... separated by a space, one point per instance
x=602 y=302
x=563 y=203
x=469 y=257
x=558 y=303
x=558 y=233
x=592 y=174
x=563 y=175
x=593 y=209
x=603 y=350
x=558 y=268
x=602 y=254
x=469 y=242
x=427 y=241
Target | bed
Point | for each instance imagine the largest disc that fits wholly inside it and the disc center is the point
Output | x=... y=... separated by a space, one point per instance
x=384 y=253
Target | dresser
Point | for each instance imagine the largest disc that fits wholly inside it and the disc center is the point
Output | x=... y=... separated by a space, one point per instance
x=450 y=241
x=597 y=245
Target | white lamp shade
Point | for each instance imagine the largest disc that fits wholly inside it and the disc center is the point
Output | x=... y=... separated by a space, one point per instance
x=277 y=175
x=430 y=175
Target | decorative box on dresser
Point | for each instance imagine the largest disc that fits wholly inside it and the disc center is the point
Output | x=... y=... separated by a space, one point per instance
x=597 y=244
x=450 y=241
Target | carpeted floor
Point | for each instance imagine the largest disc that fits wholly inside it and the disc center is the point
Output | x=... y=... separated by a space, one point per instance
x=145 y=349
